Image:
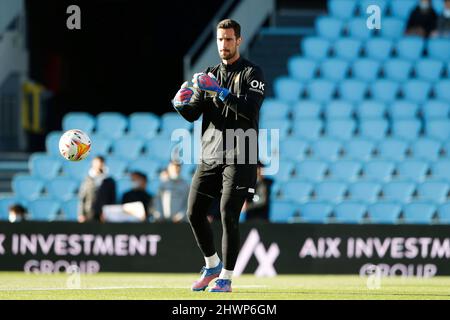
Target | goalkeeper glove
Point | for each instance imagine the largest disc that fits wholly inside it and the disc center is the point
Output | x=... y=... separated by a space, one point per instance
x=207 y=82
x=183 y=96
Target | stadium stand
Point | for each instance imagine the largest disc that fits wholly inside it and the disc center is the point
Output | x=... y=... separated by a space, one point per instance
x=364 y=127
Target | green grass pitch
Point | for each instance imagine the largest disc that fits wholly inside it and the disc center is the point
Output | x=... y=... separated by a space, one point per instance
x=15 y=285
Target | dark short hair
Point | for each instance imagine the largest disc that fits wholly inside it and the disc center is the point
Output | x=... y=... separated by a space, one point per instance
x=230 y=24
x=18 y=209
x=139 y=174
x=101 y=158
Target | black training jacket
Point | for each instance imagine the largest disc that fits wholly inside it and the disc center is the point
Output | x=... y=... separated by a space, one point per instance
x=239 y=110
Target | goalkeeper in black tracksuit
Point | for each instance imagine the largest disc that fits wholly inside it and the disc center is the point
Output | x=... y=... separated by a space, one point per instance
x=229 y=97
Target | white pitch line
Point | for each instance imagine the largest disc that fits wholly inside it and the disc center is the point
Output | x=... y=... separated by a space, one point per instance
x=112 y=288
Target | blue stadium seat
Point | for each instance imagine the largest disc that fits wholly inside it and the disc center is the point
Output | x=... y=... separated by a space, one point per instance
x=402 y=9
x=345 y=170
x=27 y=187
x=442 y=90
x=415 y=170
x=375 y=129
x=334 y=69
x=288 y=89
x=438 y=129
x=397 y=69
x=439 y=48
x=326 y=149
x=378 y=170
x=52 y=143
x=62 y=188
x=117 y=166
x=285 y=170
x=78 y=120
x=338 y=109
x=384 y=90
x=149 y=167
x=392 y=149
x=172 y=121
x=100 y=145
x=364 y=4
x=282 y=211
x=350 y=212
x=306 y=109
x=143 y=125
x=111 y=124
x=407 y=129
x=410 y=48
x=378 y=48
x=366 y=69
x=433 y=191
x=441 y=169
x=426 y=149
x=384 y=212
x=347 y=48
x=359 y=149
x=44 y=166
x=274 y=109
x=392 y=28
x=76 y=170
x=371 y=109
x=311 y=170
x=357 y=28
x=328 y=27
x=128 y=147
x=307 y=129
x=43 y=209
x=283 y=126
x=293 y=149
x=161 y=149
x=123 y=185
x=153 y=186
x=352 y=90
x=340 y=129
x=429 y=69
x=321 y=90
x=364 y=191
x=435 y=109
x=302 y=69
x=438 y=6
x=418 y=212
x=446 y=149
x=341 y=9
x=402 y=109
x=297 y=191
x=416 y=90
x=400 y=191
x=444 y=213
x=69 y=209
x=331 y=191
x=315 y=48
x=315 y=212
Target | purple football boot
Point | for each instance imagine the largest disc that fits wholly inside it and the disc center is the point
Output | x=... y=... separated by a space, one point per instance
x=207 y=275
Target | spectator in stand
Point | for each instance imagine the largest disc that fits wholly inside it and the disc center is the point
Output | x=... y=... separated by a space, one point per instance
x=422 y=20
x=139 y=192
x=97 y=190
x=172 y=195
x=17 y=213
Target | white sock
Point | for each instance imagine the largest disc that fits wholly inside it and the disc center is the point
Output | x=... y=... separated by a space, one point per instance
x=226 y=274
x=213 y=261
